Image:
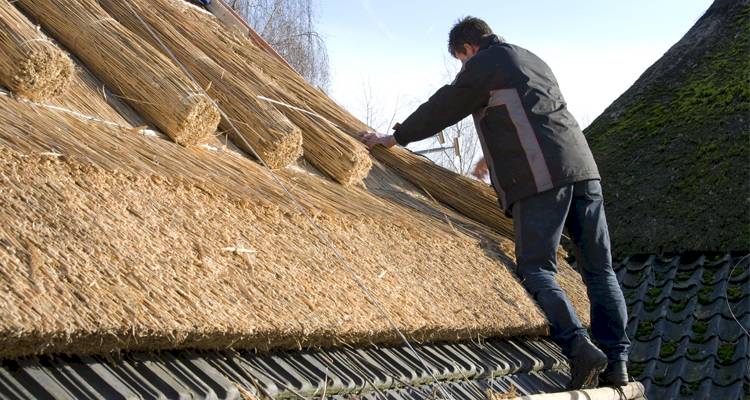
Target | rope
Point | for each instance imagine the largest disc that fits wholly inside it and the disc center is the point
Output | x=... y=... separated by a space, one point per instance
x=324 y=238
x=85 y=117
x=729 y=306
x=41 y=39
x=726 y=298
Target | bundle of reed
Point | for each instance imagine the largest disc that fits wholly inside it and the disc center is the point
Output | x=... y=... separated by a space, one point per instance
x=326 y=146
x=262 y=128
x=332 y=151
x=136 y=71
x=31 y=65
x=474 y=199
x=125 y=242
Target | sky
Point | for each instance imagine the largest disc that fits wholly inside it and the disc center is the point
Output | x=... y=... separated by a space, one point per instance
x=397 y=49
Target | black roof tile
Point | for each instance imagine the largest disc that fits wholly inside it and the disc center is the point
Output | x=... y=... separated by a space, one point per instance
x=733 y=391
x=687 y=314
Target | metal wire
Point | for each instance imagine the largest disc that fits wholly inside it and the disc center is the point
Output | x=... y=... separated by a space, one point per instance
x=729 y=306
x=726 y=298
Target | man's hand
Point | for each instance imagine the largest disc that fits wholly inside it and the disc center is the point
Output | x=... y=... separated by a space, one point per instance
x=480 y=169
x=372 y=139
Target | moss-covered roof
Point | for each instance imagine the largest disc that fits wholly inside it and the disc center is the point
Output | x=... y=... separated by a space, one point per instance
x=686 y=314
x=673 y=149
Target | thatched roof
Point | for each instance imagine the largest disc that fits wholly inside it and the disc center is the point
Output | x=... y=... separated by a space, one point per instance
x=673 y=149
x=114 y=237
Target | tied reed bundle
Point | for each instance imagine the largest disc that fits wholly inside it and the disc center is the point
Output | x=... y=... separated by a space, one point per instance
x=31 y=66
x=261 y=126
x=474 y=199
x=329 y=149
x=140 y=74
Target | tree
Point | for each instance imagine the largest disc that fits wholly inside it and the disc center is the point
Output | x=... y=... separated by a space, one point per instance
x=464 y=147
x=289 y=26
x=372 y=113
x=456 y=147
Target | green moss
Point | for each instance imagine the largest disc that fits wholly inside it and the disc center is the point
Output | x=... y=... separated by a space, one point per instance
x=630 y=294
x=678 y=306
x=636 y=369
x=692 y=351
x=726 y=351
x=704 y=295
x=734 y=292
x=667 y=349
x=699 y=330
x=689 y=389
x=652 y=295
x=708 y=276
x=650 y=305
x=700 y=326
x=660 y=275
x=737 y=272
x=683 y=276
x=645 y=328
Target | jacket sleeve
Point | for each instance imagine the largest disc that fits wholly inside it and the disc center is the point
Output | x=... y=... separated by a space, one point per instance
x=449 y=105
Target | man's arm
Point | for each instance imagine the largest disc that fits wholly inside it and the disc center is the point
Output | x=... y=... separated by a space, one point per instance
x=449 y=105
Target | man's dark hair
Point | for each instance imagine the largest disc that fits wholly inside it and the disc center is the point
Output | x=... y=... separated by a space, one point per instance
x=467 y=30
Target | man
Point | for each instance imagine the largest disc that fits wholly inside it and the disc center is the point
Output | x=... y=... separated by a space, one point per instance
x=545 y=177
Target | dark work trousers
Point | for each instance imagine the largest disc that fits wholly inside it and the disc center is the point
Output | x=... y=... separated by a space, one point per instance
x=539 y=221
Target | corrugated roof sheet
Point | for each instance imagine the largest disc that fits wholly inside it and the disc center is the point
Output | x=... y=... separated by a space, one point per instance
x=686 y=342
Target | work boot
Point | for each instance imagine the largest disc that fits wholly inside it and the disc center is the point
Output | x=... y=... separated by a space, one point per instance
x=615 y=375
x=586 y=363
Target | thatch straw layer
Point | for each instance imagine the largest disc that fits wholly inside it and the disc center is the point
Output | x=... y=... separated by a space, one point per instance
x=31 y=65
x=332 y=151
x=114 y=261
x=88 y=96
x=262 y=128
x=143 y=76
x=129 y=242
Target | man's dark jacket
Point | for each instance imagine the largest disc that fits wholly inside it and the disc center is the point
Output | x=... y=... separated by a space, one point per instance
x=530 y=140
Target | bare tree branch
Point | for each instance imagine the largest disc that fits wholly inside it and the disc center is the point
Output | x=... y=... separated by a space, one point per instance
x=289 y=26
